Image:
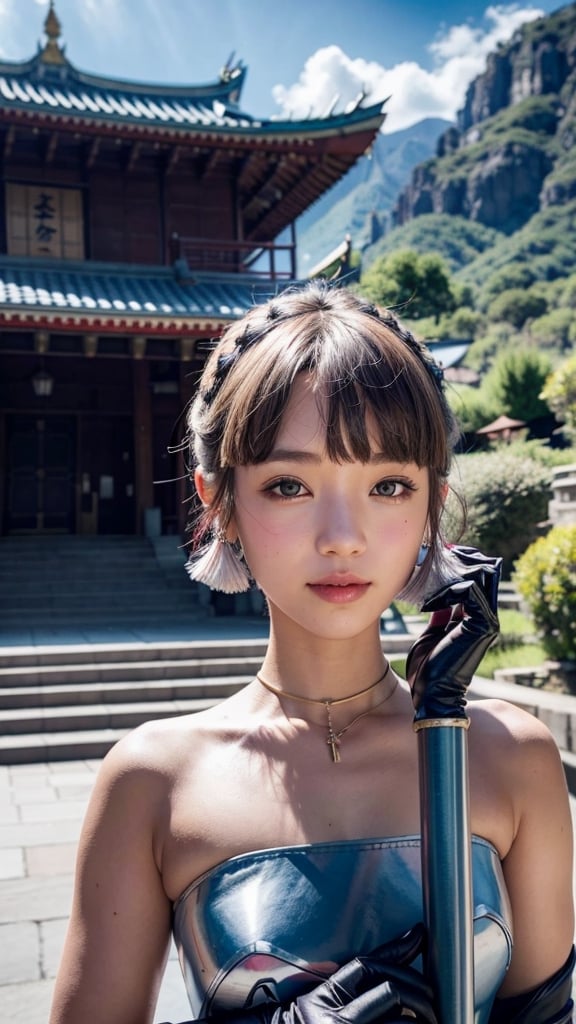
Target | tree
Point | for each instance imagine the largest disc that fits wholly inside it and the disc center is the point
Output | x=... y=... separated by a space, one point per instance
x=506 y=496
x=434 y=295
x=471 y=406
x=553 y=330
x=559 y=392
x=515 y=383
x=463 y=323
x=515 y=275
x=417 y=283
x=516 y=305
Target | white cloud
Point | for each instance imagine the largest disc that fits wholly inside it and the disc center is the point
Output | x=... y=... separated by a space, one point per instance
x=7 y=21
x=459 y=54
x=104 y=15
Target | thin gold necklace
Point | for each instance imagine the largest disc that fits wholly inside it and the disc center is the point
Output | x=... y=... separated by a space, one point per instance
x=333 y=739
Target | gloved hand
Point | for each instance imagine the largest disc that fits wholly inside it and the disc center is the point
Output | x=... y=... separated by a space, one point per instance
x=463 y=624
x=377 y=987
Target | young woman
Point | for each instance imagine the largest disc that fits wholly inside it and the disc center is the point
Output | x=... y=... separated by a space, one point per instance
x=277 y=833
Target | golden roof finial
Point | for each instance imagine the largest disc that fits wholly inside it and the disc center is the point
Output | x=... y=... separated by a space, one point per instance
x=52 y=52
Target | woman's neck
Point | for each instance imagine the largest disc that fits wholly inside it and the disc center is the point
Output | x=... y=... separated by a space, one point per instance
x=319 y=668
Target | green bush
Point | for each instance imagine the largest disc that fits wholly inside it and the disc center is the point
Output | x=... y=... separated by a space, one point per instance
x=541 y=452
x=560 y=393
x=515 y=382
x=516 y=305
x=488 y=343
x=517 y=275
x=464 y=323
x=546 y=578
x=472 y=407
x=552 y=330
x=506 y=497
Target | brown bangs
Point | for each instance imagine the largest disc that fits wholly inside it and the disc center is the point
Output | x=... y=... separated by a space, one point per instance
x=372 y=390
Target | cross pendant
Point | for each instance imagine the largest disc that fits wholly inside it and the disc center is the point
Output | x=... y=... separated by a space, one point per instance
x=333 y=742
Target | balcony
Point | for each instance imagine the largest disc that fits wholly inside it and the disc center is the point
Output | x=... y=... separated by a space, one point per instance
x=265 y=260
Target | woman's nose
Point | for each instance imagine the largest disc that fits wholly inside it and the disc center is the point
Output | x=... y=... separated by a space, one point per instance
x=339 y=528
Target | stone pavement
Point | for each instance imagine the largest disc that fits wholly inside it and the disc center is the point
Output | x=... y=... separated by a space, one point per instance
x=41 y=810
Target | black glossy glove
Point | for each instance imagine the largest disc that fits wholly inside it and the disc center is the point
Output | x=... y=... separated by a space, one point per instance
x=378 y=987
x=463 y=624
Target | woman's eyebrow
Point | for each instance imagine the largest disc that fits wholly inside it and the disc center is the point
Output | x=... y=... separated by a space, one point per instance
x=293 y=455
x=314 y=458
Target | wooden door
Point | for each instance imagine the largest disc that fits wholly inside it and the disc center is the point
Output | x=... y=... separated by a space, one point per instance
x=41 y=456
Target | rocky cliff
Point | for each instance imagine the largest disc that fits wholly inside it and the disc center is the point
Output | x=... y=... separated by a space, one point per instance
x=513 y=150
x=359 y=204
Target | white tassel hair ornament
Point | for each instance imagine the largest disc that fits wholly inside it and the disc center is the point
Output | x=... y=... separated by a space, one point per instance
x=220 y=566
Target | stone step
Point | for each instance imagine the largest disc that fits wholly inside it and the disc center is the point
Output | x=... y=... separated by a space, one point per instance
x=140 y=690
x=70 y=582
x=77 y=582
x=71 y=655
x=117 y=672
x=89 y=693
x=170 y=650
x=135 y=603
x=28 y=721
x=76 y=700
x=52 y=543
x=66 y=746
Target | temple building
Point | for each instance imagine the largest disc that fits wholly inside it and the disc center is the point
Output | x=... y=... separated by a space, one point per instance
x=136 y=221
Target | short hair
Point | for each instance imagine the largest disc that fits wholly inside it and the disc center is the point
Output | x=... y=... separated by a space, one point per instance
x=365 y=368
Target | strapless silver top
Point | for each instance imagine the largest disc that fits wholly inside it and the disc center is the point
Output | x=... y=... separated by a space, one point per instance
x=272 y=924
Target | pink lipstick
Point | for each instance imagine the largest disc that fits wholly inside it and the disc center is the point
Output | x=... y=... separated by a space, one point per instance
x=339 y=588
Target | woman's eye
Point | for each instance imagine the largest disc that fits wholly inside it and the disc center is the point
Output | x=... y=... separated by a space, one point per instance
x=286 y=488
x=391 y=488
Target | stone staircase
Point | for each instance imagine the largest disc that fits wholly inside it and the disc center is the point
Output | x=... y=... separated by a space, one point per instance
x=75 y=702
x=94 y=640
x=58 y=582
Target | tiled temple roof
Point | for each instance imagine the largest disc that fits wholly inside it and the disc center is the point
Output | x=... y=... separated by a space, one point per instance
x=111 y=297
x=50 y=86
x=115 y=297
x=65 y=92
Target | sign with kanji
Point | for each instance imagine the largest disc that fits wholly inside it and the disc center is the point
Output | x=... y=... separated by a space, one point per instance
x=44 y=221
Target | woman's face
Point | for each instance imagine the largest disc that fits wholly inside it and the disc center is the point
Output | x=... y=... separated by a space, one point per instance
x=330 y=544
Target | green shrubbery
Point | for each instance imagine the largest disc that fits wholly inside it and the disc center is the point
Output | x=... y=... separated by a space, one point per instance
x=516 y=305
x=513 y=385
x=506 y=496
x=560 y=393
x=546 y=578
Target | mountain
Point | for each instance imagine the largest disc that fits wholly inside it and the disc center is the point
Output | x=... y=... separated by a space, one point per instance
x=358 y=205
x=512 y=153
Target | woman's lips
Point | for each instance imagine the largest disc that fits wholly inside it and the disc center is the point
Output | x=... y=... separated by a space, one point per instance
x=339 y=589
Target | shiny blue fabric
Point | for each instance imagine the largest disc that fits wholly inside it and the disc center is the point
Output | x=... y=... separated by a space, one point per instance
x=271 y=924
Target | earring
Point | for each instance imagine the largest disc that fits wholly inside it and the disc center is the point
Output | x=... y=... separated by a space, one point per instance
x=220 y=566
x=422 y=554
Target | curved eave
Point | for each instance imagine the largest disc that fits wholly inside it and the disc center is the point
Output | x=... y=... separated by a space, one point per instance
x=176 y=326
x=203 y=123
x=36 y=72
x=221 y=89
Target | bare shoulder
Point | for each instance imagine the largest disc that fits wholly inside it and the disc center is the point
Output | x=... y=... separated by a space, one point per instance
x=514 y=745
x=499 y=720
x=516 y=767
x=159 y=748
x=160 y=751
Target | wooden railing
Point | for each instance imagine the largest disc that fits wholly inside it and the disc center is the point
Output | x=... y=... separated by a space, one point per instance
x=260 y=259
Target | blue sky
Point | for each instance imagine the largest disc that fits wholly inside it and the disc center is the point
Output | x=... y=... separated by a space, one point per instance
x=300 y=54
